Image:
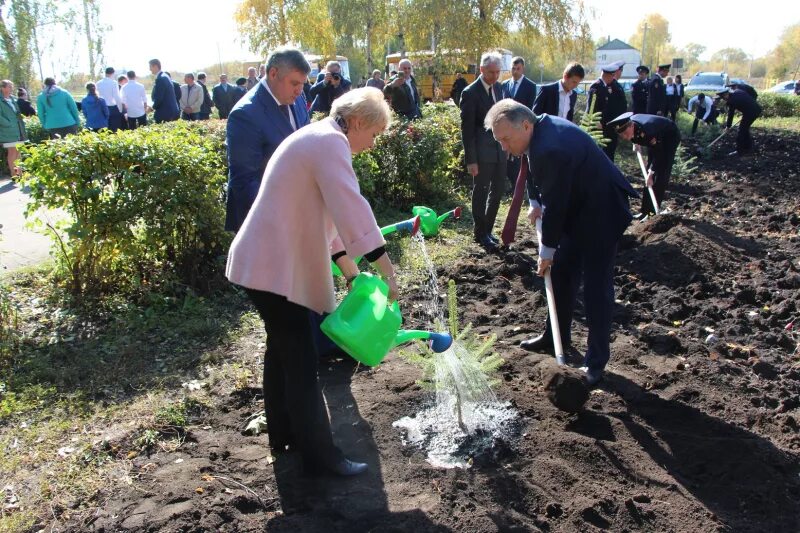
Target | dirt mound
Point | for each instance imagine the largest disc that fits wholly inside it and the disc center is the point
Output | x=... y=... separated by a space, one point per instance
x=565 y=387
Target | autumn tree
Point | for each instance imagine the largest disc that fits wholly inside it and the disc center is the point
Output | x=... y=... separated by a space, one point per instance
x=653 y=45
x=16 y=40
x=784 y=60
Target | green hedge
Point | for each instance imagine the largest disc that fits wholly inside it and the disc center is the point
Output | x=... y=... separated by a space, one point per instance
x=143 y=209
x=419 y=162
x=779 y=105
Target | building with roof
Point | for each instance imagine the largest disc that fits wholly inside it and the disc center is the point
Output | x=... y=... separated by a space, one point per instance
x=616 y=50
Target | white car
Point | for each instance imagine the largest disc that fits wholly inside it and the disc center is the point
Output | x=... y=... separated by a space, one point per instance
x=784 y=87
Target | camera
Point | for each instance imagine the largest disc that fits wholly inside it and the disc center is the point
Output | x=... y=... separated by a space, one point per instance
x=336 y=76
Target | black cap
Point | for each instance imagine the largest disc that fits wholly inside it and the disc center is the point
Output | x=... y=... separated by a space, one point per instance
x=723 y=91
x=621 y=122
x=642 y=68
x=667 y=66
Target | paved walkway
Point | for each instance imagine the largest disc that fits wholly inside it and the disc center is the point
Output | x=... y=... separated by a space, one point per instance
x=19 y=247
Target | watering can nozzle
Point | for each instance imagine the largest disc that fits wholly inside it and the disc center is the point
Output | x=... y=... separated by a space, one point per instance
x=457 y=212
x=440 y=342
x=415 y=225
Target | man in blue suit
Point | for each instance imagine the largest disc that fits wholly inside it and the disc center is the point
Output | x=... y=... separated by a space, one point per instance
x=558 y=98
x=582 y=199
x=522 y=90
x=271 y=111
x=165 y=106
x=330 y=86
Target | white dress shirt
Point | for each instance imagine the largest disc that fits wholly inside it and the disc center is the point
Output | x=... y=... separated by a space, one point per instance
x=108 y=90
x=563 y=100
x=706 y=102
x=135 y=98
x=486 y=88
x=291 y=114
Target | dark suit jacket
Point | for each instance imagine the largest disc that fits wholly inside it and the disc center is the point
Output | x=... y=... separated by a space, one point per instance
x=207 y=102
x=583 y=194
x=740 y=100
x=548 y=99
x=224 y=99
x=255 y=129
x=479 y=144
x=176 y=87
x=403 y=102
x=165 y=106
x=526 y=92
x=656 y=96
x=324 y=95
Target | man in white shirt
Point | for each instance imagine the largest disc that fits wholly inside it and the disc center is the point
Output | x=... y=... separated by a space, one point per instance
x=191 y=98
x=558 y=98
x=705 y=110
x=108 y=90
x=134 y=98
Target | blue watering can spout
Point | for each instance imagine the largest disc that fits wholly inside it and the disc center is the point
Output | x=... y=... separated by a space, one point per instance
x=440 y=341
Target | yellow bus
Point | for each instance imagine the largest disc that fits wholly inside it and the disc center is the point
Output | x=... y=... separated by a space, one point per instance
x=435 y=74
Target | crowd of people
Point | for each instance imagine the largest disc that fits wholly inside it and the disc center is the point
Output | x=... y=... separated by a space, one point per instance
x=510 y=132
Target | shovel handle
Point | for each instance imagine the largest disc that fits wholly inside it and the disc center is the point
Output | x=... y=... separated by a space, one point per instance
x=551 y=305
x=721 y=135
x=650 y=190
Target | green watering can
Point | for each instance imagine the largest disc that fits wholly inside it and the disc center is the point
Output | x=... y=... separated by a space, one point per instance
x=365 y=326
x=429 y=221
x=411 y=226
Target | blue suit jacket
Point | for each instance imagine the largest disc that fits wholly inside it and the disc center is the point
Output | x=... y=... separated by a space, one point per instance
x=526 y=92
x=164 y=104
x=548 y=99
x=582 y=193
x=255 y=129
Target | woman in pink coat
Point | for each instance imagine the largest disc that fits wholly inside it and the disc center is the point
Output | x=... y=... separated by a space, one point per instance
x=308 y=211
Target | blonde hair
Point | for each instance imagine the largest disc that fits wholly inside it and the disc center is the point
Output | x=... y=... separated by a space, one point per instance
x=366 y=103
x=669 y=79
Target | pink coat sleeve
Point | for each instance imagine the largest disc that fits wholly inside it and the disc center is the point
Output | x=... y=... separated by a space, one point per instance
x=358 y=232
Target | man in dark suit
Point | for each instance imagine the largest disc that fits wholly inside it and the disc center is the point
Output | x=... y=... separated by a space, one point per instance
x=661 y=136
x=582 y=199
x=330 y=86
x=523 y=90
x=458 y=87
x=403 y=92
x=486 y=160
x=558 y=98
x=639 y=90
x=239 y=91
x=607 y=96
x=176 y=88
x=258 y=123
x=657 y=92
x=740 y=100
x=222 y=95
x=165 y=106
x=208 y=103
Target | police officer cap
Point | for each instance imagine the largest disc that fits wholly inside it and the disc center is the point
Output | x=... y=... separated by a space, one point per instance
x=642 y=68
x=723 y=91
x=621 y=122
x=613 y=67
x=667 y=66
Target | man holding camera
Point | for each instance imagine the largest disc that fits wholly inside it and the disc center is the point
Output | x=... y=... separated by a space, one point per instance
x=403 y=93
x=330 y=86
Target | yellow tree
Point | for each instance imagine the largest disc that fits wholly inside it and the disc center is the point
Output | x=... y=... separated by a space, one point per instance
x=784 y=60
x=652 y=45
x=264 y=23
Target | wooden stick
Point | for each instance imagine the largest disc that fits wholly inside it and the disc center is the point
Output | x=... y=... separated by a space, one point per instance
x=551 y=305
x=649 y=188
x=721 y=135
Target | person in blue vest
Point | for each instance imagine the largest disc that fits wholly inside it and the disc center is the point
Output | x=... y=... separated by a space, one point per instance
x=94 y=109
x=657 y=92
x=521 y=89
x=639 y=90
x=274 y=109
x=740 y=100
x=662 y=137
x=165 y=106
x=582 y=199
x=607 y=96
x=558 y=98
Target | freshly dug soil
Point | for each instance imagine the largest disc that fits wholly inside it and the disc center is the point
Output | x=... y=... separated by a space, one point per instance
x=565 y=387
x=695 y=427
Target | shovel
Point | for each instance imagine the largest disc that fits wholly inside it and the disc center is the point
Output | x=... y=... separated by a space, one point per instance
x=721 y=135
x=551 y=305
x=649 y=188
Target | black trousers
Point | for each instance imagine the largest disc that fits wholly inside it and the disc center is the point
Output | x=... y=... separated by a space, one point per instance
x=610 y=149
x=135 y=122
x=744 y=141
x=293 y=402
x=660 y=159
x=114 y=118
x=700 y=112
x=488 y=188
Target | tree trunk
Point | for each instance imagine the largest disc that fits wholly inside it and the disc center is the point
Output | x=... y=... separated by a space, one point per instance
x=89 y=41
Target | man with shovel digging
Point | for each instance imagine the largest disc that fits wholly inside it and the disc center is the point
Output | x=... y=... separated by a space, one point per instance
x=661 y=137
x=582 y=199
x=739 y=100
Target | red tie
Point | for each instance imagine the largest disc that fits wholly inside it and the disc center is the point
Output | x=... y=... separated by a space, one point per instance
x=510 y=227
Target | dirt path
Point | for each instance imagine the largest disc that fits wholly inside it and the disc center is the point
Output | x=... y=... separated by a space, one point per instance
x=686 y=434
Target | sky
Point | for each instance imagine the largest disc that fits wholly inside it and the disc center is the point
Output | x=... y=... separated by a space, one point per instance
x=190 y=34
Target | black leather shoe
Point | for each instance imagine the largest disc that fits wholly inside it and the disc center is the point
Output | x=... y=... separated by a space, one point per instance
x=346 y=467
x=487 y=243
x=494 y=239
x=540 y=344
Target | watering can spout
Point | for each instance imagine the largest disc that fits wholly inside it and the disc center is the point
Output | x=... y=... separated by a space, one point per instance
x=439 y=342
x=456 y=213
x=411 y=226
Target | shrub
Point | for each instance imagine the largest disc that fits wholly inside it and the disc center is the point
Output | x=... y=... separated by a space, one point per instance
x=414 y=162
x=143 y=209
x=779 y=105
